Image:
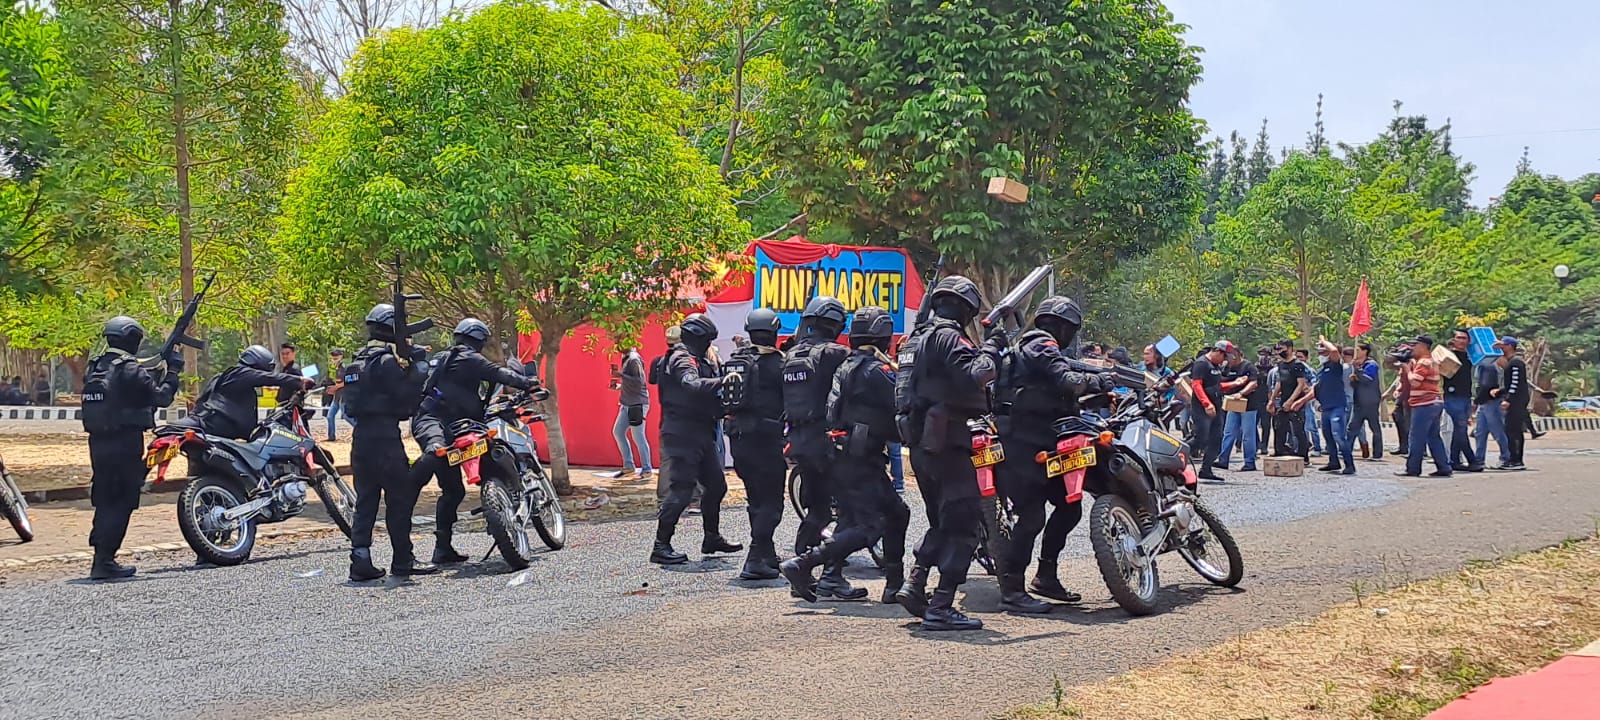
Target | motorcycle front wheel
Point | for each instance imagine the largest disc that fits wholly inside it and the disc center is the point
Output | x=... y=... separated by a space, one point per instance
x=338 y=499
x=1129 y=574
x=500 y=512
x=1199 y=549
x=548 y=519
x=216 y=539
x=15 y=507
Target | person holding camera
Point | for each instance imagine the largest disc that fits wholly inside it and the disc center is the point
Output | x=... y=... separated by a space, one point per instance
x=1423 y=392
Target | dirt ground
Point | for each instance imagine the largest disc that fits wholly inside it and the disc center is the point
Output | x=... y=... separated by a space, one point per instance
x=1391 y=655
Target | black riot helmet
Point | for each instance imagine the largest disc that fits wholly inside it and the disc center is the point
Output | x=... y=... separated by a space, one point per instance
x=123 y=333
x=1060 y=317
x=472 y=333
x=697 y=332
x=956 y=298
x=825 y=315
x=871 y=326
x=763 y=326
x=380 y=322
x=256 y=356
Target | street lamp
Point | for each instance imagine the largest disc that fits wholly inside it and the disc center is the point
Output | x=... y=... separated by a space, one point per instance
x=1563 y=275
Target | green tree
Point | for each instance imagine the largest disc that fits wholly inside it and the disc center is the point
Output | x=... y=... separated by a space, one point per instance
x=1260 y=164
x=181 y=140
x=33 y=82
x=1419 y=155
x=1296 y=249
x=527 y=162
x=900 y=110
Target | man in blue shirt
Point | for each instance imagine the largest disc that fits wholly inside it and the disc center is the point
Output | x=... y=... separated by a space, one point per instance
x=1335 y=409
x=1367 y=399
x=1304 y=358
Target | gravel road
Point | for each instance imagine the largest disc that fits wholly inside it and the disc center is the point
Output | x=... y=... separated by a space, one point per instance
x=596 y=632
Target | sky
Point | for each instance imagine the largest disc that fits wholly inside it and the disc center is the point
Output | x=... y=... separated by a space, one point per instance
x=1507 y=75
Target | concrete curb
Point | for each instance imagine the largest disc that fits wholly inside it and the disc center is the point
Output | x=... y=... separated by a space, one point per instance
x=81 y=492
x=85 y=555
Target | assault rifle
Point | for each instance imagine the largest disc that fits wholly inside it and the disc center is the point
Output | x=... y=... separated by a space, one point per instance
x=180 y=329
x=926 y=307
x=403 y=330
x=1010 y=306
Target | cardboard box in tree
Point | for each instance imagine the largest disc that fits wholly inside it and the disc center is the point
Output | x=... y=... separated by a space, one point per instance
x=1283 y=466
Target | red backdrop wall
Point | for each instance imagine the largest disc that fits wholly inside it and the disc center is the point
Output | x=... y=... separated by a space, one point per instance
x=588 y=405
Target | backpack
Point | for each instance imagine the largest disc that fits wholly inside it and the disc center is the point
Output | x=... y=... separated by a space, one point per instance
x=359 y=399
x=740 y=394
x=805 y=391
x=100 y=413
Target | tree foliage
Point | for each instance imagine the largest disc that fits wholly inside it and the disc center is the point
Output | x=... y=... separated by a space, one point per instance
x=525 y=161
x=898 y=112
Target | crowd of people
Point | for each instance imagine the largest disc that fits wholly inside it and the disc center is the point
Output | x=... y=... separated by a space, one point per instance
x=1281 y=401
x=14 y=392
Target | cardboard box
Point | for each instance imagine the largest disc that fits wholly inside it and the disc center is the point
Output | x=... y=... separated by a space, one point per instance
x=1283 y=466
x=1007 y=190
x=1447 y=361
x=1235 y=405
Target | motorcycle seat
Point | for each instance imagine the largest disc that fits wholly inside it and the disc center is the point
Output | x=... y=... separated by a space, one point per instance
x=250 y=452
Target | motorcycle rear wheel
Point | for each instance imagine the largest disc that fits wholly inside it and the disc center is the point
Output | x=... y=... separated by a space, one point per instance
x=15 y=507
x=548 y=519
x=215 y=540
x=338 y=499
x=1196 y=549
x=500 y=512
x=1114 y=531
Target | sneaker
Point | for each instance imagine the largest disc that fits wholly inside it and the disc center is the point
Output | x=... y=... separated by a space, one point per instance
x=1402 y=473
x=1441 y=473
x=1330 y=467
x=693 y=509
x=614 y=474
x=1348 y=471
x=647 y=472
x=1247 y=467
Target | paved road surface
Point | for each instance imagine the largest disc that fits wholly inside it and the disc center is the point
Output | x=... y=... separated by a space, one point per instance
x=595 y=632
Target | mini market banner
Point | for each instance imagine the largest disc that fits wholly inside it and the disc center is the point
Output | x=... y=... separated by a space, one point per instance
x=787 y=274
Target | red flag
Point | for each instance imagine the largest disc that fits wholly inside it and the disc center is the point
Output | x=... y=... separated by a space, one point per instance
x=1361 y=315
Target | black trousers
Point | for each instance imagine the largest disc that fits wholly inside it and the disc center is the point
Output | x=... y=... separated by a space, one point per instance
x=1207 y=435
x=758 y=459
x=815 y=496
x=378 y=461
x=949 y=486
x=429 y=433
x=1022 y=481
x=1290 y=428
x=691 y=460
x=869 y=508
x=1518 y=422
x=1265 y=422
x=116 y=460
x=1402 y=424
x=1366 y=414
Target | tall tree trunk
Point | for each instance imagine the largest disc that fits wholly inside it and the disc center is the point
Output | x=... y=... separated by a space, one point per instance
x=549 y=352
x=738 y=107
x=181 y=161
x=1303 y=294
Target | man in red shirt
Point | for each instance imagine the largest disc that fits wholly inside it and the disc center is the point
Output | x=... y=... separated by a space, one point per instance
x=1421 y=389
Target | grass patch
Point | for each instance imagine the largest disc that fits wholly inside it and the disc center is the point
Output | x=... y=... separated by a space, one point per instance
x=1391 y=654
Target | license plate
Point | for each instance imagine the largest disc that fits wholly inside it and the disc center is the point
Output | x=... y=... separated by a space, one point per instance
x=456 y=457
x=1058 y=465
x=158 y=455
x=992 y=455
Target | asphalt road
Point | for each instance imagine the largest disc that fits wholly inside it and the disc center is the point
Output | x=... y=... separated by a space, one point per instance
x=596 y=632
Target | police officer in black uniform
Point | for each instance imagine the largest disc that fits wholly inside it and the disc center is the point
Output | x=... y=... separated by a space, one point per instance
x=752 y=394
x=860 y=412
x=119 y=403
x=227 y=404
x=944 y=381
x=381 y=389
x=455 y=390
x=808 y=371
x=1037 y=388
x=690 y=406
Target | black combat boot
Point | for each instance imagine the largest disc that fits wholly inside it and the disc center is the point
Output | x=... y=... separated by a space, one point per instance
x=106 y=567
x=913 y=595
x=663 y=554
x=942 y=614
x=893 y=578
x=444 y=553
x=1016 y=599
x=760 y=563
x=361 y=567
x=716 y=544
x=797 y=570
x=834 y=585
x=407 y=567
x=1045 y=584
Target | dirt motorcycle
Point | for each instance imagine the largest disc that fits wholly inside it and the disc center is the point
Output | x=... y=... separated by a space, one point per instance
x=1146 y=500
x=13 y=505
x=513 y=487
x=236 y=485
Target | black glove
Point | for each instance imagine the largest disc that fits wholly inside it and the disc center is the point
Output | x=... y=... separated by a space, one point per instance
x=996 y=335
x=175 y=363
